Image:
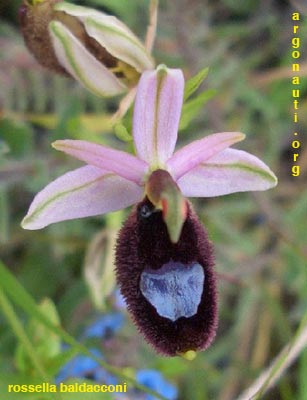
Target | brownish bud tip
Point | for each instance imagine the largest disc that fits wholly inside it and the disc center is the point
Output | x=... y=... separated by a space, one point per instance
x=34 y=20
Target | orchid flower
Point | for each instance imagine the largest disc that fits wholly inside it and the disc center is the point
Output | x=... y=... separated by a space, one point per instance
x=164 y=260
x=97 y=49
x=113 y=179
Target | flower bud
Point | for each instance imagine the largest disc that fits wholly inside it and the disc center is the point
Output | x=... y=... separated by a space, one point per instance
x=96 y=49
x=169 y=288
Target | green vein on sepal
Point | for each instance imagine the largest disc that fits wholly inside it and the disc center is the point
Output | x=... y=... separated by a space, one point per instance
x=57 y=30
x=30 y=218
x=257 y=171
x=103 y=27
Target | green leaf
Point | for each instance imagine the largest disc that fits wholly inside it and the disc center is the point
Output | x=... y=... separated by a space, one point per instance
x=22 y=336
x=193 y=83
x=47 y=344
x=192 y=107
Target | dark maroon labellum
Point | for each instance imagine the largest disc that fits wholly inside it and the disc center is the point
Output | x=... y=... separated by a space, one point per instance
x=169 y=288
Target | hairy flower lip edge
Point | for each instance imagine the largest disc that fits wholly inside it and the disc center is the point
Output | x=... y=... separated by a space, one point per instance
x=197 y=332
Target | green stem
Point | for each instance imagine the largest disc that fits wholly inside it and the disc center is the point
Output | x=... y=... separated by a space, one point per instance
x=21 y=335
x=286 y=357
x=152 y=26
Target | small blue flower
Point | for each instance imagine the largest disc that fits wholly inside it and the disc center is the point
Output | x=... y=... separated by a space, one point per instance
x=155 y=381
x=105 y=377
x=105 y=326
x=80 y=366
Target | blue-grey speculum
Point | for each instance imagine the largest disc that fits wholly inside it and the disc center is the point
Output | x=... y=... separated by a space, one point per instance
x=175 y=289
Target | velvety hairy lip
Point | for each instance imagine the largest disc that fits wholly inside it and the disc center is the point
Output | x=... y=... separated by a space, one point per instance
x=143 y=244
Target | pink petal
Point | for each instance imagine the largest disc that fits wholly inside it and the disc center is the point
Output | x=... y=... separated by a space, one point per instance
x=199 y=151
x=157 y=112
x=119 y=162
x=227 y=172
x=83 y=192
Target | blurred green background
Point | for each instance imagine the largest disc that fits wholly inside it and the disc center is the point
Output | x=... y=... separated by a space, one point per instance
x=260 y=238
